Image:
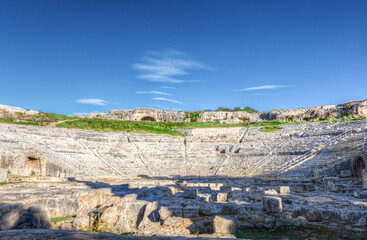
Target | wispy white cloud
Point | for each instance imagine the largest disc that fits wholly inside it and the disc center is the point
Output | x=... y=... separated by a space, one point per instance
x=168 y=100
x=265 y=87
x=168 y=66
x=168 y=87
x=92 y=101
x=154 y=92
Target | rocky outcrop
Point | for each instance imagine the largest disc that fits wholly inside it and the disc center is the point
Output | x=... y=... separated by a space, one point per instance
x=3 y=175
x=143 y=114
x=352 y=108
x=41 y=234
x=16 y=217
x=15 y=112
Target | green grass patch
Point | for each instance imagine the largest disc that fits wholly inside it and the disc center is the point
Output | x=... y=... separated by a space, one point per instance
x=2 y=120
x=58 y=219
x=106 y=125
x=109 y=125
x=60 y=117
x=3 y=183
x=270 y=128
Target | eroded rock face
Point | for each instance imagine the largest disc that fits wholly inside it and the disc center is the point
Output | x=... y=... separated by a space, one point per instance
x=15 y=217
x=10 y=215
x=224 y=224
x=355 y=108
x=272 y=204
x=144 y=114
x=364 y=176
x=3 y=175
x=256 y=194
x=222 y=197
x=284 y=190
x=35 y=217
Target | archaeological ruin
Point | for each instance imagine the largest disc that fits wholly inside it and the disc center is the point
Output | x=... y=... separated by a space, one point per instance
x=210 y=183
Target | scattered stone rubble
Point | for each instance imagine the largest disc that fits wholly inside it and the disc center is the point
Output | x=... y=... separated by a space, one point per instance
x=187 y=206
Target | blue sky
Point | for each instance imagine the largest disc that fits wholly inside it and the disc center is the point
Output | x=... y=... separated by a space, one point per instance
x=82 y=55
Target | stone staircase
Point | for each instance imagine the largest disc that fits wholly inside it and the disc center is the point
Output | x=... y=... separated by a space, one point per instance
x=312 y=153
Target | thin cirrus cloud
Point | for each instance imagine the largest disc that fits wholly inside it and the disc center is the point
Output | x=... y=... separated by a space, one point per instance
x=265 y=87
x=154 y=92
x=92 y=101
x=168 y=66
x=167 y=100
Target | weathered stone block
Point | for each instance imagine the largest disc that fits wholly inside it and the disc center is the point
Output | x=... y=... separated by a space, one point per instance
x=330 y=181
x=256 y=194
x=336 y=188
x=190 y=193
x=364 y=175
x=222 y=197
x=320 y=173
x=360 y=194
x=312 y=214
x=190 y=212
x=224 y=224
x=299 y=188
x=272 y=204
x=345 y=173
x=284 y=190
x=10 y=215
x=36 y=217
x=309 y=187
x=3 y=175
x=362 y=222
x=176 y=211
x=229 y=209
x=164 y=213
x=225 y=188
x=271 y=192
x=205 y=211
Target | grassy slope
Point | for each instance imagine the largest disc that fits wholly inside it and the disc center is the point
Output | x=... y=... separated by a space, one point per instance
x=14 y=122
x=58 y=219
x=39 y=120
x=106 y=125
x=60 y=117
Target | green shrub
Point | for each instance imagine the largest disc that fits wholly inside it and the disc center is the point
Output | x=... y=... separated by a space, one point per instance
x=287 y=201
x=58 y=219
